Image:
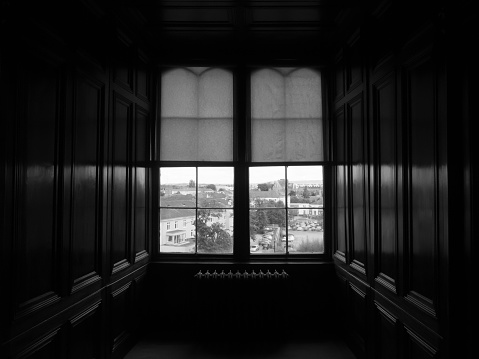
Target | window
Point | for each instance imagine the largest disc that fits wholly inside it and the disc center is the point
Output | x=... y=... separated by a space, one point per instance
x=255 y=163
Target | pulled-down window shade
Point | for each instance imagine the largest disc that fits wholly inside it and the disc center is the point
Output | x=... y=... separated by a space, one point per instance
x=196 y=115
x=286 y=115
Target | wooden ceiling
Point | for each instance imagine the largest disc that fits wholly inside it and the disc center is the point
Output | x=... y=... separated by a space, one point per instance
x=245 y=28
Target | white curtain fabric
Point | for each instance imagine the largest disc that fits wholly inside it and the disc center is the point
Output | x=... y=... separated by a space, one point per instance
x=286 y=111
x=196 y=115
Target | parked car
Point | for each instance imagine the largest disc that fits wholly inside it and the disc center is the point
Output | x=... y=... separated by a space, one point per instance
x=254 y=248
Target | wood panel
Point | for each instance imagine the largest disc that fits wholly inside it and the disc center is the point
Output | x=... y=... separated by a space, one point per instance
x=141 y=184
x=388 y=343
x=85 y=244
x=120 y=317
x=339 y=78
x=123 y=69
x=341 y=185
x=143 y=78
x=36 y=185
x=419 y=80
x=121 y=122
x=354 y=67
x=417 y=348
x=358 y=304
x=47 y=347
x=358 y=183
x=387 y=132
x=85 y=334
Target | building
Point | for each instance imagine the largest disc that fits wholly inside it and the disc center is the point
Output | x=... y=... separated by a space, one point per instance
x=271 y=195
x=79 y=269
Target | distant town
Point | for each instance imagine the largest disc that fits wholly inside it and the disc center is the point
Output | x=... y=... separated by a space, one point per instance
x=201 y=218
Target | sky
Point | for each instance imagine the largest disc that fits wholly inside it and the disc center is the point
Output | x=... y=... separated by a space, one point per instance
x=224 y=175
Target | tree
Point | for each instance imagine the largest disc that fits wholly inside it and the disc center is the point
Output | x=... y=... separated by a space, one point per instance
x=192 y=184
x=292 y=193
x=306 y=193
x=211 y=186
x=213 y=238
x=264 y=186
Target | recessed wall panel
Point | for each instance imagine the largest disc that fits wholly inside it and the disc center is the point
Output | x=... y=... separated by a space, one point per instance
x=422 y=168
x=36 y=180
x=384 y=98
x=120 y=180
x=88 y=118
x=355 y=113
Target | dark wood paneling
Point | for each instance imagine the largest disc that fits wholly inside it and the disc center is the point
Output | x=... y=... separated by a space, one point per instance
x=120 y=317
x=143 y=78
x=354 y=68
x=36 y=185
x=47 y=347
x=73 y=172
x=385 y=119
x=339 y=78
x=85 y=235
x=123 y=70
x=121 y=122
x=141 y=184
x=358 y=304
x=417 y=348
x=419 y=78
x=358 y=183
x=388 y=344
x=85 y=334
x=341 y=183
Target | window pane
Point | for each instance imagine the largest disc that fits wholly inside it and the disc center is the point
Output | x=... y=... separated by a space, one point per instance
x=215 y=187
x=305 y=234
x=286 y=111
x=196 y=115
x=305 y=187
x=177 y=230
x=266 y=227
x=178 y=187
x=215 y=231
x=267 y=186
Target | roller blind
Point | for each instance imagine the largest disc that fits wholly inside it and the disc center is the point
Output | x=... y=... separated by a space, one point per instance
x=196 y=115
x=286 y=115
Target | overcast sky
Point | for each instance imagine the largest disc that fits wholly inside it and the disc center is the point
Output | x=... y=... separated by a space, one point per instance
x=224 y=175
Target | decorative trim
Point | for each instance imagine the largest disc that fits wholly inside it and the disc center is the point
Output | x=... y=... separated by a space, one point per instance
x=119 y=266
x=357 y=290
x=421 y=302
x=340 y=256
x=85 y=281
x=141 y=255
x=37 y=303
x=389 y=316
x=386 y=282
x=119 y=340
x=416 y=338
x=358 y=266
x=120 y=290
x=37 y=345
x=86 y=313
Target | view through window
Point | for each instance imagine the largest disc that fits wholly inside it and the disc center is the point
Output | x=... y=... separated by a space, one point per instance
x=286 y=210
x=283 y=199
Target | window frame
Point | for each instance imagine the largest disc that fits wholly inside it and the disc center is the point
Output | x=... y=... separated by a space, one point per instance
x=241 y=163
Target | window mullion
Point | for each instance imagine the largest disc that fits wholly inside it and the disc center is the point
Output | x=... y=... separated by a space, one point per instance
x=241 y=137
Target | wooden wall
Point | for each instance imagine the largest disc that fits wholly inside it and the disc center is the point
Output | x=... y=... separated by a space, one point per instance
x=403 y=167
x=76 y=110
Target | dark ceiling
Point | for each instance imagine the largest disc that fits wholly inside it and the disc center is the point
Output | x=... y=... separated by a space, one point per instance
x=245 y=28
